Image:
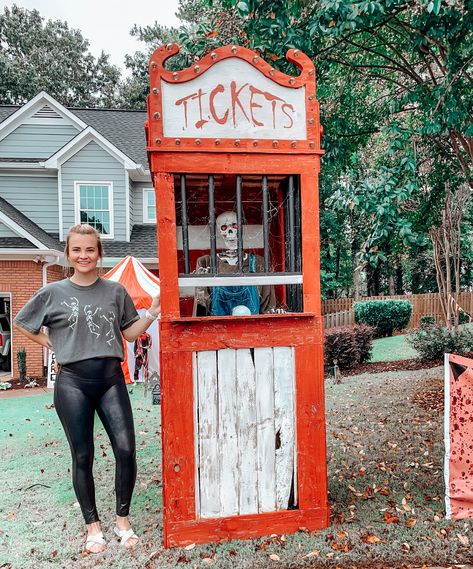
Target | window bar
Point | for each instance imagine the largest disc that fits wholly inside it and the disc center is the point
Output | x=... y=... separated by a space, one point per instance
x=292 y=245
x=239 y=213
x=185 y=226
x=265 y=224
x=213 y=240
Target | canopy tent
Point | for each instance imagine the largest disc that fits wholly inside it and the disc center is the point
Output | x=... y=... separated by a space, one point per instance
x=141 y=285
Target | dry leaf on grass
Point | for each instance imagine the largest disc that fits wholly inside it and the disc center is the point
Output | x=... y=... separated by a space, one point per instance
x=410 y=522
x=370 y=538
x=152 y=555
x=274 y=557
x=463 y=539
x=315 y=553
x=189 y=547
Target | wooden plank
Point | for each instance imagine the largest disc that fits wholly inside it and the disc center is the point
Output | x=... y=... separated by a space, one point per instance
x=247 y=444
x=245 y=527
x=265 y=429
x=284 y=423
x=209 y=455
x=227 y=432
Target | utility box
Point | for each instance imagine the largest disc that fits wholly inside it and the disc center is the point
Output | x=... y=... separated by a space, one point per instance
x=234 y=151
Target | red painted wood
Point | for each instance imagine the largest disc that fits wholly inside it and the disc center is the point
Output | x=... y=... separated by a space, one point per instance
x=177 y=435
x=245 y=527
x=158 y=73
x=166 y=228
x=181 y=336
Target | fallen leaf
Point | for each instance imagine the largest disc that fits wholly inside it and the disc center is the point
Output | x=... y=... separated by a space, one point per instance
x=342 y=534
x=370 y=538
x=189 y=547
x=274 y=557
x=54 y=553
x=463 y=539
x=152 y=555
x=314 y=553
x=410 y=522
x=208 y=560
x=405 y=547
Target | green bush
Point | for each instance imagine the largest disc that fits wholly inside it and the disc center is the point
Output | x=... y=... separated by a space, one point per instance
x=432 y=342
x=427 y=321
x=21 y=360
x=348 y=345
x=383 y=315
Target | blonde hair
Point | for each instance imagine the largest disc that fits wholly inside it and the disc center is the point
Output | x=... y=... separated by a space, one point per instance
x=83 y=229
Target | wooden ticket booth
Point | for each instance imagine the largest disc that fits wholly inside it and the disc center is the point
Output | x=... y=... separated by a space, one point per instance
x=234 y=151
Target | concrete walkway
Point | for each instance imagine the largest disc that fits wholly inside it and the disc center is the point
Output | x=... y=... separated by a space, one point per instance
x=25 y=392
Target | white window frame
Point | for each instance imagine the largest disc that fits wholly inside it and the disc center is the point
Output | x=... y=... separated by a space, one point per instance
x=77 y=185
x=146 y=218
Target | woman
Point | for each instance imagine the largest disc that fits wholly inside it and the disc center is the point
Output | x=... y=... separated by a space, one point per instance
x=86 y=317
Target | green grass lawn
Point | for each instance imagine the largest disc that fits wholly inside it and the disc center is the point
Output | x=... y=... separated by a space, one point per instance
x=385 y=463
x=392 y=349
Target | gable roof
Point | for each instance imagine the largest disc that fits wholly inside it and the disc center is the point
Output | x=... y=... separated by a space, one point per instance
x=25 y=228
x=123 y=128
x=15 y=119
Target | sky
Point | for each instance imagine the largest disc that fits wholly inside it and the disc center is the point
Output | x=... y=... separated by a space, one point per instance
x=105 y=23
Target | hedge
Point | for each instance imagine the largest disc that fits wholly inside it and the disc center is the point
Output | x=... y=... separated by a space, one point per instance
x=383 y=315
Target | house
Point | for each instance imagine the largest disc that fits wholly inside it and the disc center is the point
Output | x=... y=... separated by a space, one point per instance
x=60 y=166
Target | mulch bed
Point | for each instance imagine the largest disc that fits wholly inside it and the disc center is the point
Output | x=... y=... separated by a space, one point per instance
x=17 y=384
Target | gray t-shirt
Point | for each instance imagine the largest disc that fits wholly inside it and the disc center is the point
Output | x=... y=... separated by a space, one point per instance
x=83 y=321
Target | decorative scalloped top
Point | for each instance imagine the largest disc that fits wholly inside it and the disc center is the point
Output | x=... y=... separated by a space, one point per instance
x=232 y=98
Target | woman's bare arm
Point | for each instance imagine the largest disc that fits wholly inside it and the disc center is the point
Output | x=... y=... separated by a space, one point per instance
x=141 y=325
x=40 y=338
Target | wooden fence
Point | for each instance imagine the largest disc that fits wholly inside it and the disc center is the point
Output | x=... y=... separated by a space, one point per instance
x=339 y=311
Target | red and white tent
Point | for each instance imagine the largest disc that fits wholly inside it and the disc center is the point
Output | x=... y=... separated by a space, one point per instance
x=141 y=285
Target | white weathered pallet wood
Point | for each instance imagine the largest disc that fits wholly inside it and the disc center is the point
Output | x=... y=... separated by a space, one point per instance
x=247 y=444
x=265 y=429
x=284 y=423
x=227 y=432
x=207 y=433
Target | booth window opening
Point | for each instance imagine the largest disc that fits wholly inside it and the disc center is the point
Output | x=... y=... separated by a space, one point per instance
x=240 y=231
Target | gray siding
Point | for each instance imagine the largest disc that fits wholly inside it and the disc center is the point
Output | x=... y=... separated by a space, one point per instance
x=93 y=164
x=35 y=197
x=138 y=200
x=7 y=232
x=36 y=140
x=132 y=205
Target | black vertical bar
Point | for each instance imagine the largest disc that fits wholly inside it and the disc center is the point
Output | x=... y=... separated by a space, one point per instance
x=265 y=224
x=239 y=213
x=185 y=227
x=213 y=240
x=292 y=247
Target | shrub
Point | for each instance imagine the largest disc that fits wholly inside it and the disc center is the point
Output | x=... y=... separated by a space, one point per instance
x=364 y=340
x=21 y=360
x=384 y=315
x=427 y=321
x=348 y=345
x=432 y=342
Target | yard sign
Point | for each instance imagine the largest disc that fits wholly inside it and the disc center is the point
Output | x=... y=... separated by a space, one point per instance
x=242 y=396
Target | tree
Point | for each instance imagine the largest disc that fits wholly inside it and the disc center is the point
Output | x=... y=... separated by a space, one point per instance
x=37 y=55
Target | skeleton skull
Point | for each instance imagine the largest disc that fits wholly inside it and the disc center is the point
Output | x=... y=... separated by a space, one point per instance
x=227 y=227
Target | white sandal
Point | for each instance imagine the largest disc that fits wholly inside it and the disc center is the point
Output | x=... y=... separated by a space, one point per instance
x=95 y=539
x=125 y=535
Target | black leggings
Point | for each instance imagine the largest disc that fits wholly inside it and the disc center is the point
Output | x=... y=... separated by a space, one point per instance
x=81 y=389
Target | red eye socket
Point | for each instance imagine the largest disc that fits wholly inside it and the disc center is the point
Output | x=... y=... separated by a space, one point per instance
x=223 y=228
x=235 y=225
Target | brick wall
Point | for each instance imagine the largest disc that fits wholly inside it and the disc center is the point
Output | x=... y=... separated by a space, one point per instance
x=22 y=279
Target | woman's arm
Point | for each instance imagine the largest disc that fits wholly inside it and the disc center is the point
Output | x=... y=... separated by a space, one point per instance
x=40 y=338
x=140 y=326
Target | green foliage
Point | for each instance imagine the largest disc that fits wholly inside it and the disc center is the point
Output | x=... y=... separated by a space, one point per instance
x=427 y=321
x=348 y=346
x=384 y=315
x=37 y=56
x=21 y=360
x=433 y=341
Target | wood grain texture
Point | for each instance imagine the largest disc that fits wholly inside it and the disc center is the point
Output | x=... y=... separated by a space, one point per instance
x=207 y=436
x=265 y=429
x=247 y=442
x=284 y=423
x=228 y=433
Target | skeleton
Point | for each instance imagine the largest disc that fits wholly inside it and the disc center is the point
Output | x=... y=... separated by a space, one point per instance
x=74 y=315
x=111 y=333
x=89 y=317
x=227 y=226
